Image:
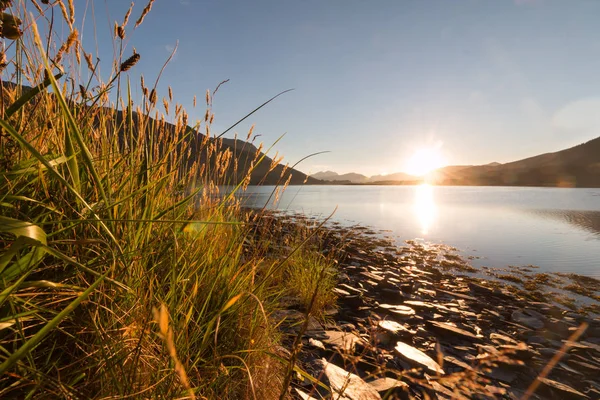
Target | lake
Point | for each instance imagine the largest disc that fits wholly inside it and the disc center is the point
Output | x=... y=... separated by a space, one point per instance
x=554 y=228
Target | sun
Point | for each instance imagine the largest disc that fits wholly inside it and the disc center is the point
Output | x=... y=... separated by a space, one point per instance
x=424 y=161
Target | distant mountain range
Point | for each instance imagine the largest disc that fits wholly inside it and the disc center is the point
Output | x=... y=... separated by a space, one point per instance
x=578 y=166
x=351 y=177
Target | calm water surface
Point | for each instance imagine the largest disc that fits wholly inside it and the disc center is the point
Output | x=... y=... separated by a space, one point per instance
x=556 y=229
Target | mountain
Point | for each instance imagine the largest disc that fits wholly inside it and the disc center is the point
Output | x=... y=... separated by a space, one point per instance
x=398 y=176
x=351 y=177
x=243 y=154
x=344 y=178
x=578 y=166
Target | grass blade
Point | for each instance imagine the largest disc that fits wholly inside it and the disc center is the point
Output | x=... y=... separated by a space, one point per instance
x=37 y=338
x=27 y=96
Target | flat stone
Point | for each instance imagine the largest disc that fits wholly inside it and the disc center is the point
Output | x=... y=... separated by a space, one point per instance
x=388 y=294
x=520 y=351
x=349 y=288
x=480 y=289
x=535 y=314
x=303 y=395
x=458 y=362
x=341 y=292
x=446 y=392
x=352 y=300
x=503 y=338
x=419 y=304
x=459 y=295
x=416 y=356
x=346 y=384
x=528 y=321
x=383 y=385
x=584 y=366
x=591 y=345
x=397 y=309
x=344 y=341
x=316 y=343
x=393 y=327
x=372 y=276
x=569 y=369
x=493 y=313
x=428 y=292
x=564 y=390
x=503 y=374
x=576 y=345
x=447 y=328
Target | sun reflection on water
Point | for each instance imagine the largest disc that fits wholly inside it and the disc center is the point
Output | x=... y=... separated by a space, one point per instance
x=424 y=207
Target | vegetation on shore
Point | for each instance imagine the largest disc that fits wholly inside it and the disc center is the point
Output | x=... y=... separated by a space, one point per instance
x=124 y=273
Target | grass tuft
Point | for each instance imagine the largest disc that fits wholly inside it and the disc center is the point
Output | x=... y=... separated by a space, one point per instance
x=125 y=272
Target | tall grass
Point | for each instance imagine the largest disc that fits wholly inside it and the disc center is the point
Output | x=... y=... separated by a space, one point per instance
x=123 y=271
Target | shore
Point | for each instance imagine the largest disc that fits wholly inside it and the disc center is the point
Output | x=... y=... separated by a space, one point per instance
x=418 y=321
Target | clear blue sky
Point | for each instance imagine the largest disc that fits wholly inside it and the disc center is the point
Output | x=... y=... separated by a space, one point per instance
x=488 y=80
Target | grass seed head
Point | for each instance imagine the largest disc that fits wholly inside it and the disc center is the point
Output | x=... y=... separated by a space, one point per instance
x=71 y=12
x=66 y=46
x=127 y=15
x=153 y=96
x=145 y=12
x=4 y=4
x=10 y=27
x=65 y=14
x=89 y=61
x=130 y=62
x=166 y=105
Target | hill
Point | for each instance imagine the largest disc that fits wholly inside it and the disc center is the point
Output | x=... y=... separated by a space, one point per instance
x=578 y=166
x=335 y=177
x=352 y=177
x=243 y=153
x=398 y=176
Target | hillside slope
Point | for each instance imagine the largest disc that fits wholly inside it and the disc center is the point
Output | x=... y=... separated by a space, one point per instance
x=578 y=166
x=243 y=153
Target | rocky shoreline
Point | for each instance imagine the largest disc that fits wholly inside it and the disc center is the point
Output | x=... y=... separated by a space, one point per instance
x=411 y=323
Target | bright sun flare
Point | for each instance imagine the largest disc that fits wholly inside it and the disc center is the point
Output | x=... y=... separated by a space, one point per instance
x=424 y=161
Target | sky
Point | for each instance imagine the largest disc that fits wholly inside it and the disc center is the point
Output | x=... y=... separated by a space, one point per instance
x=374 y=81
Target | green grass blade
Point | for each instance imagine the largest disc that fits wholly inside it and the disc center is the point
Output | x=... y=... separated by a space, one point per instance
x=23 y=142
x=22 y=228
x=74 y=130
x=27 y=96
x=39 y=336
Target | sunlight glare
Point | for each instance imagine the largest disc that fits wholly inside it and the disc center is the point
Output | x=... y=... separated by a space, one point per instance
x=424 y=207
x=424 y=160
